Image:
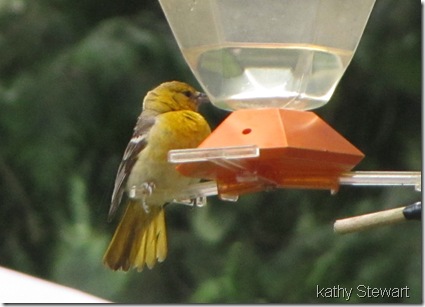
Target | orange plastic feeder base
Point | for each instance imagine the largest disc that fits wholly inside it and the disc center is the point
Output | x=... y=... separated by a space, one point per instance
x=297 y=150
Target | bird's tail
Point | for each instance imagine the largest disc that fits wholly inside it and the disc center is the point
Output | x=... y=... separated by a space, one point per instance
x=139 y=239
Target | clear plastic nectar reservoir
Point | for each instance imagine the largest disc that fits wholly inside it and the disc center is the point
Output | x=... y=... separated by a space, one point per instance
x=275 y=75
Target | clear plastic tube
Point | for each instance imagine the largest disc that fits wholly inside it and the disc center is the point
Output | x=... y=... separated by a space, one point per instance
x=380 y=178
x=360 y=178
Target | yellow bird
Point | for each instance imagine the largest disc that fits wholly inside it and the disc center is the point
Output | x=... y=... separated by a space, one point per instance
x=169 y=120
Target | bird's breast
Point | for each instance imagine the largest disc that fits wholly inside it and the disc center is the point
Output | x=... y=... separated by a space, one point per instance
x=172 y=130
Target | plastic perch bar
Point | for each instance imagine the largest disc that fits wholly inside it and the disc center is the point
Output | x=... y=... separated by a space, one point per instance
x=376 y=178
x=361 y=178
x=233 y=157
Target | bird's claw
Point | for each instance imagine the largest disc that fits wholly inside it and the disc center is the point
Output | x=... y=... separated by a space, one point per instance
x=146 y=191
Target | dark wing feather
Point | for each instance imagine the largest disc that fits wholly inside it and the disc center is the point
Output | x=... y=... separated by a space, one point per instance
x=134 y=147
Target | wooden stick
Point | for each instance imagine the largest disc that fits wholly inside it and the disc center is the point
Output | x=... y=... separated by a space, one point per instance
x=376 y=219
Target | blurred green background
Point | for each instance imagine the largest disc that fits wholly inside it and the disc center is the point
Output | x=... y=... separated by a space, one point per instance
x=72 y=76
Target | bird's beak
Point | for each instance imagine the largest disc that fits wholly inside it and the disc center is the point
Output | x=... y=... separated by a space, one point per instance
x=202 y=98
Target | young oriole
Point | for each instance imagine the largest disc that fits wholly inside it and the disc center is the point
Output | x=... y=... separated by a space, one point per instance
x=169 y=120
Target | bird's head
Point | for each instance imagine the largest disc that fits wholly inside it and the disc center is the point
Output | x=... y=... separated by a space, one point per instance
x=173 y=96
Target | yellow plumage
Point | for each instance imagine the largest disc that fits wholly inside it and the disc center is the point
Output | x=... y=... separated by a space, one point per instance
x=139 y=239
x=169 y=120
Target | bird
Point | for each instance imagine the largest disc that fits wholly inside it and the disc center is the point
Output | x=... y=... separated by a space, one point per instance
x=169 y=120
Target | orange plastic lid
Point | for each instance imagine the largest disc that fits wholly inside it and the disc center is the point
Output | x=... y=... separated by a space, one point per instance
x=297 y=150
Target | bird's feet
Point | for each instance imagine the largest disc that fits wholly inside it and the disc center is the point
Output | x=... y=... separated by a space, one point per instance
x=146 y=190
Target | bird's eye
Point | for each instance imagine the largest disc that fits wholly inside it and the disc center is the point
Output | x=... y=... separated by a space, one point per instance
x=188 y=94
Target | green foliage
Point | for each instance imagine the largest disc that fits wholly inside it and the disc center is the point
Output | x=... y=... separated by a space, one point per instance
x=72 y=76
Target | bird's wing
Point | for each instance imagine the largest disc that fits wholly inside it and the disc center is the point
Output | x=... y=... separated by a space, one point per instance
x=135 y=146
